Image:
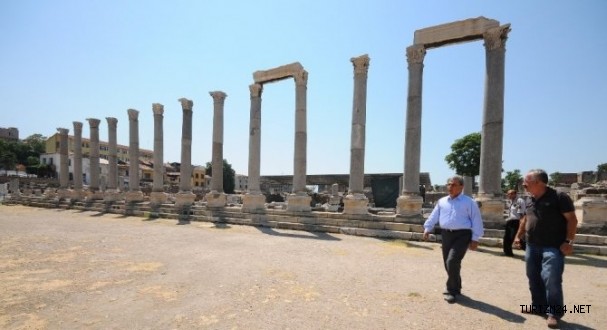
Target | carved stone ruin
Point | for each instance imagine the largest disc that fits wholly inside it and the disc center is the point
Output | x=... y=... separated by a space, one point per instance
x=494 y=35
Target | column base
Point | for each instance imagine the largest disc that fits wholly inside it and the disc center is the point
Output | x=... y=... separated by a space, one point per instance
x=158 y=197
x=111 y=196
x=591 y=212
x=133 y=197
x=492 y=210
x=356 y=204
x=409 y=206
x=299 y=203
x=216 y=199
x=63 y=194
x=253 y=203
x=184 y=199
x=94 y=195
x=77 y=195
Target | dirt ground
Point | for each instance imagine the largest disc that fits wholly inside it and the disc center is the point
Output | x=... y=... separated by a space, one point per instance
x=67 y=269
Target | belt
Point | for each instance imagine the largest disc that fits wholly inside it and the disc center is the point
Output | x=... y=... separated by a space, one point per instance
x=455 y=230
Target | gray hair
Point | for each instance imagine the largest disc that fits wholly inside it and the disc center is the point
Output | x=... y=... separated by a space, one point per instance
x=457 y=178
x=538 y=175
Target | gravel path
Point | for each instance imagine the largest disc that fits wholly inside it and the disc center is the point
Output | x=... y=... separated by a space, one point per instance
x=66 y=269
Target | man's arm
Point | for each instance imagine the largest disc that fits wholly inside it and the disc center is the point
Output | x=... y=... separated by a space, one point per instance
x=520 y=233
x=567 y=248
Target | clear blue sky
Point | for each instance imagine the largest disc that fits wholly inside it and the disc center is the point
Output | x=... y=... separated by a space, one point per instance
x=65 y=61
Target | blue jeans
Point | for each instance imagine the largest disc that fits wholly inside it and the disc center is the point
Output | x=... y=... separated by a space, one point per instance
x=545 y=266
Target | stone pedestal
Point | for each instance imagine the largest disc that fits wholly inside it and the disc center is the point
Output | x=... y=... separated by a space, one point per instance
x=50 y=193
x=299 y=203
x=216 y=199
x=184 y=199
x=158 y=198
x=64 y=194
x=77 y=195
x=112 y=195
x=409 y=206
x=356 y=204
x=133 y=196
x=94 y=196
x=253 y=202
x=334 y=202
x=591 y=212
x=492 y=211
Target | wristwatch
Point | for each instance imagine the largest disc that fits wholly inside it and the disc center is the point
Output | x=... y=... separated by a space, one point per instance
x=569 y=241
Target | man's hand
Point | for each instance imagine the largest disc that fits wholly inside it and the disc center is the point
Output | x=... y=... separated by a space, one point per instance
x=566 y=249
x=517 y=243
x=473 y=245
x=425 y=236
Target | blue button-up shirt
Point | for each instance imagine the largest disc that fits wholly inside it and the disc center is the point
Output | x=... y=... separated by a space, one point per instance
x=460 y=212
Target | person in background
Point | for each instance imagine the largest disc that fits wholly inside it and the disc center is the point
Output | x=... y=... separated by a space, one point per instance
x=461 y=226
x=422 y=192
x=548 y=227
x=516 y=210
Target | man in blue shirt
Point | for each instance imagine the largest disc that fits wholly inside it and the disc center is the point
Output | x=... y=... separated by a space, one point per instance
x=461 y=226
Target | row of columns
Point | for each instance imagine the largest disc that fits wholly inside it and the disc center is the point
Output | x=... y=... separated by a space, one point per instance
x=185 y=196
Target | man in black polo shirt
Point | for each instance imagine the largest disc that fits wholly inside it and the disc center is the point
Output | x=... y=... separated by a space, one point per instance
x=549 y=228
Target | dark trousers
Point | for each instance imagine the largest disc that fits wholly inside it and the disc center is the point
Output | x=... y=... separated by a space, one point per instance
x=509 y=234
x=455 y=245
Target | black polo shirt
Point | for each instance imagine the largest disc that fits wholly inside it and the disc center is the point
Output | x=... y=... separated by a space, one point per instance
x=546 y=225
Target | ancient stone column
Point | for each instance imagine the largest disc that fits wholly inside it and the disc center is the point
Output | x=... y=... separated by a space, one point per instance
x=356 y=202
x=134 y=194
x=111 y=193
x=158 y=196
x=63 y=193
x=185 y=197
x=78 y=193
x=490 y=192
x=299 y=199
x=254 y=200
x=409 y=203
x=94 y=159
x=216 y=197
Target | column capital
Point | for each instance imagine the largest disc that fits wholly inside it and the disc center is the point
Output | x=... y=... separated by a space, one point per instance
x=93 y=122
x=361 y=63
x=77 y=125
x=301 y=77
x=416 y=54
x=63 y=131
x=186 y=104
x=133 y=114
x=158 y=109
x=111 y=121
x=218 y=96
x=255 y=90
x=496 y=37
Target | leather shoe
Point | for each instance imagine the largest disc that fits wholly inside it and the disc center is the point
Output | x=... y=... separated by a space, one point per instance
x=552 y=322
x=449 y=298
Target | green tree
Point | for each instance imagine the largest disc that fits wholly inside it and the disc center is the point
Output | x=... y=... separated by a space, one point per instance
x=601 y=168
x=465 y=156
x=512 y=180
x=36 y=144
x=229 y=176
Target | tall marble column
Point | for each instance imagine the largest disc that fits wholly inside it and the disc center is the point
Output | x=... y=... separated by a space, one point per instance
x=216 y=197
x=94 y=159
x=158 y=196
x=490 y=192
x=63 y=192
x=254 y=200
x=185 y=197
x=356 y=202
x=77 y=193
x=134 y=194
x=409 y=203
x=111 y=193
x=299 y=199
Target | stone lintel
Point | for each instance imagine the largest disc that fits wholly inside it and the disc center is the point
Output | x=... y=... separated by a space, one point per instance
x=279 y=73
x=455 y=32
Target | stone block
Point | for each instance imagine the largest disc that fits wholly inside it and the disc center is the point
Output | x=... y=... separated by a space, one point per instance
x=460 y=31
